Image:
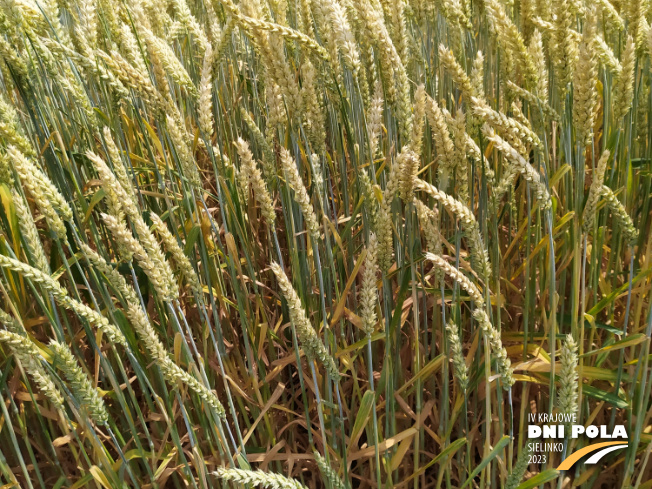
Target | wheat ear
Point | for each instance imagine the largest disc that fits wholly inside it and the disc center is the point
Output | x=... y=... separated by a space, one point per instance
x=479 y=254
x=178 y=256
x=171 y=371
x=329 y=474
x=312 y=344
x=30 y=233
x=620 y=214
x=595 y=190
x=300 y=193
x=30 y=359
x=369 y=290
x=251 y=174
x=258 y=478
x=568 y=378
x=459 y=363
x=81 y=386
x=522 y=166
x=62 y=298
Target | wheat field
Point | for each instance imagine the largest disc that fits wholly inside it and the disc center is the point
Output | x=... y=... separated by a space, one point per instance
x=323 y=243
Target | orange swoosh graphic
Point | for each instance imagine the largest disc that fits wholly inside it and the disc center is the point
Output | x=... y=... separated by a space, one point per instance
x=569 y=461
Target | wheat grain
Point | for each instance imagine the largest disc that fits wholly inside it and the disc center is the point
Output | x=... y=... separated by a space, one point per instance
x=534 y=100
x=477 y=74
x=343 y=36
x=539 y=59
x=511 y=38
x=145 y=249
x=611 y=15
x=418 y=117
x=187 y=161
x=514 y=131
x=269 y=159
